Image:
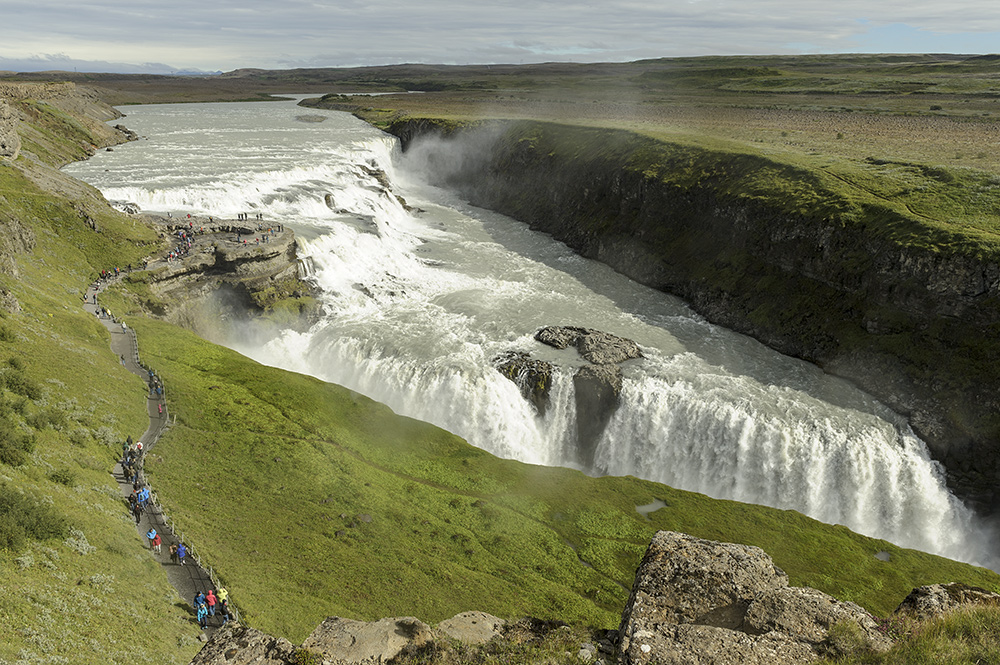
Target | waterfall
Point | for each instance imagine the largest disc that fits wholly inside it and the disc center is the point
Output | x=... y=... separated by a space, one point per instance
x=421 y=292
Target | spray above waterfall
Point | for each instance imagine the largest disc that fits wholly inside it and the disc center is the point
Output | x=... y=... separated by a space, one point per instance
x=423 y=293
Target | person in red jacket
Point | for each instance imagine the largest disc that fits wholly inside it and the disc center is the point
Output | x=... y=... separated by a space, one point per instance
x=210 y=600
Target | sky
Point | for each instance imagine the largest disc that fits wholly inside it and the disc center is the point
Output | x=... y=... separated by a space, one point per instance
x=165 y=36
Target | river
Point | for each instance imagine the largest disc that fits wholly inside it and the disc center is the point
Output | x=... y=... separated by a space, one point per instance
x=419 y=299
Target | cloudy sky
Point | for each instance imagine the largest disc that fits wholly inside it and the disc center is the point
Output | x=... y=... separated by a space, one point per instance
x=211 y=35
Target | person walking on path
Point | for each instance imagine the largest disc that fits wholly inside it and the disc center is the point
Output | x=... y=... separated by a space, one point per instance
x=211 y=601
x=128 y=472
x=203 y=616
x=151 y=535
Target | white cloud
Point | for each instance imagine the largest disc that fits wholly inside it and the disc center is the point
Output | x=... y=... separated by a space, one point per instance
x=227 y=34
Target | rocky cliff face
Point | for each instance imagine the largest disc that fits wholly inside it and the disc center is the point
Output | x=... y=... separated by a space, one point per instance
x=913 y=326
x=221 y=280
x=10 y=142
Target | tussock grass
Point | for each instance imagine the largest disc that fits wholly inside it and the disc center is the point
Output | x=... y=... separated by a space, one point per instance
x=968 y=636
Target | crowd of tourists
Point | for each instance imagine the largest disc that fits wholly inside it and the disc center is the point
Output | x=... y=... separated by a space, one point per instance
x=207 y=606
x=139 y=499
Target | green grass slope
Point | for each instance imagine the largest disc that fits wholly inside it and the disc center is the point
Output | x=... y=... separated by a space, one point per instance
x=312 y=500
x=78 y=586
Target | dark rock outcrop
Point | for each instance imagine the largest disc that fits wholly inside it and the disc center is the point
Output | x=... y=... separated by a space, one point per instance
x=220 y=280
x=533 y=377
x=597 y=387
x=598 y=391
x=598 y=347
x=703 y=602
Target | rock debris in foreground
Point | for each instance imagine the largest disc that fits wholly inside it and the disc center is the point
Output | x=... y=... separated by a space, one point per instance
x=701 y=602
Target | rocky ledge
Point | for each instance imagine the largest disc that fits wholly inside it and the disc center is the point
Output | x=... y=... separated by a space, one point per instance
x=218 y=270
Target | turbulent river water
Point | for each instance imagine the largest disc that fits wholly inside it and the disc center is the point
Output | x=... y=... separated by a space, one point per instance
x=417 y=304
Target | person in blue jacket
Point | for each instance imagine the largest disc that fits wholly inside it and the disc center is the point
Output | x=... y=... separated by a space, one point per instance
x=203 y=615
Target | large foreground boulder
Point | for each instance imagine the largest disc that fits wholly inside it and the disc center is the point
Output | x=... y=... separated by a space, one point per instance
x=235 y=644
x=701 y=602
x=366 y=642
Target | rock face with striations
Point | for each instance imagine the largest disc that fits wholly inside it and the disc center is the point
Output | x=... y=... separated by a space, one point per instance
x=221 y=280
x=703 y=602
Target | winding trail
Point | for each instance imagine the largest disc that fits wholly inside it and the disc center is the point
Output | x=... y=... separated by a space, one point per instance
x=191 y=577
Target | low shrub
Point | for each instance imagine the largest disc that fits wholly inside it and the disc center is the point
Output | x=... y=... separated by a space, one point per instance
x=23 y=519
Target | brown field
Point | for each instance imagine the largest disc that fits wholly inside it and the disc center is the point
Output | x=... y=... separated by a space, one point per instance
x=942 y=110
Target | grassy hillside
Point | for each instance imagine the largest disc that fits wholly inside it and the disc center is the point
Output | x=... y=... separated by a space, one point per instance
x=78 y=586
x=313 y=500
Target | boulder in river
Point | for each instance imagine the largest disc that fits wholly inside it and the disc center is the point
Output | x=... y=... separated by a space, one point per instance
x=598 y=347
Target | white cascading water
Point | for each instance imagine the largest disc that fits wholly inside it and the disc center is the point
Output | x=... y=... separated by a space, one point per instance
x=417 y=305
